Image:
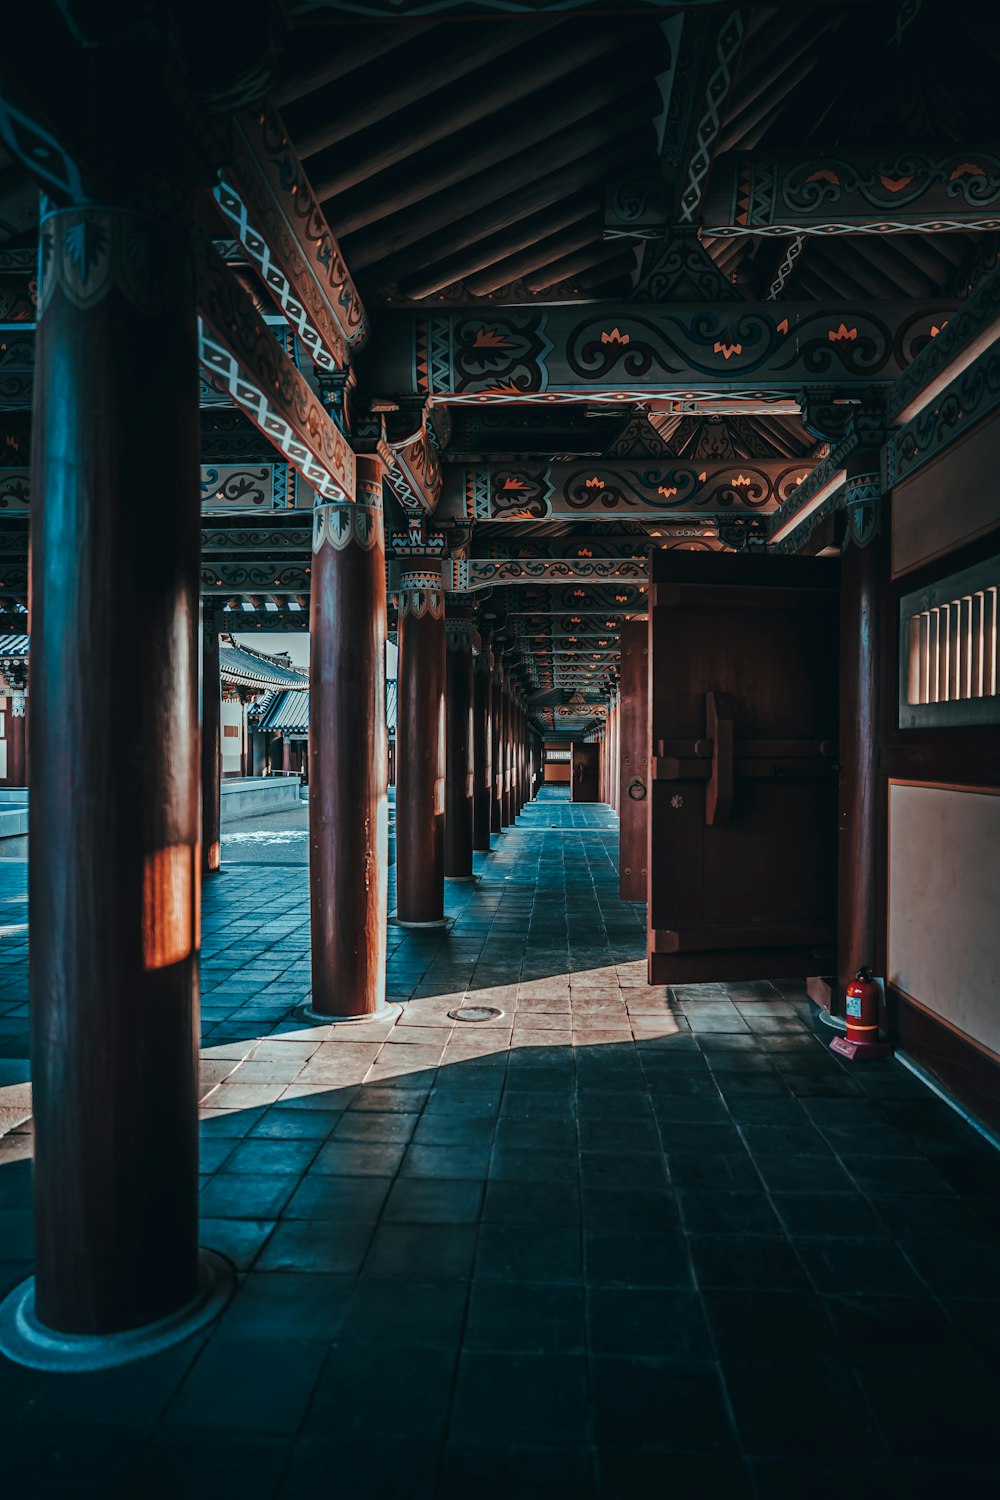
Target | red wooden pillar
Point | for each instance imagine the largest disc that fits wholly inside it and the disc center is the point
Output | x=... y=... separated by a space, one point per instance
x=496 y=716
x=635 y=747
x=17 y=721
x=115 y=774
x=499 y=744
x=211 y=744
x=420 y=736
x=459 y=775
x=860 y=645
x=286 y=755
x=506 y=813
x=482 y=748
x=348 y=801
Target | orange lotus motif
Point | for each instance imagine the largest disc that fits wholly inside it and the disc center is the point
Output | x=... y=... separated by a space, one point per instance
x=966 y=169
x=514 y=484
x=742 y=480
x=584 y=552
x=490 y=338
x=726 y=349
x=616 y=337
x=783 y=326
x=824 y=174
x=597 y=483
x=842 y=334
x=895 y=184
x=666 y=490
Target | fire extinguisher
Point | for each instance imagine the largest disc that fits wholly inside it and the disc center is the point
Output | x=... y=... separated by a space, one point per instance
x=861 y=1006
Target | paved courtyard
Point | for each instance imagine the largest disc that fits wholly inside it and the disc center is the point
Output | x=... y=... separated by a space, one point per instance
x=619 y=1241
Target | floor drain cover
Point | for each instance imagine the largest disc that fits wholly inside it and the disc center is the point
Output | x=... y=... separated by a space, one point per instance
x=475 y=1013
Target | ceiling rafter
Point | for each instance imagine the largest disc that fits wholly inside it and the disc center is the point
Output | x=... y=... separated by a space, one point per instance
x=324 y=122
x=457 y=108
x=514 y=206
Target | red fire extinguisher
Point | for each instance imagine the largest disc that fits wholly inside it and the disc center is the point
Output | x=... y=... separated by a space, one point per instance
x=861 y=1005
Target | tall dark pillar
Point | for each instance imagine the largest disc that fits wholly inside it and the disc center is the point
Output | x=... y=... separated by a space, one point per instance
x=348 y=800
x=115 y=773
x=482 y=748
x=860 y=580
x=420 y=737
x=496 y=735
x=211 y=744
x=459 y=775
x=506 y=816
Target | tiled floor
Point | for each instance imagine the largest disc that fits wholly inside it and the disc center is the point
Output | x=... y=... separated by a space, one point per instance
x=618 y=1242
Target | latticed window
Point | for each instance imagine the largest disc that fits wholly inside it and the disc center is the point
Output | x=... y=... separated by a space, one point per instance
x=949 y=649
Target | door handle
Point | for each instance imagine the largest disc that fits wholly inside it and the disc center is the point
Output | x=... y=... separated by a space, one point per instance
x=719 y=733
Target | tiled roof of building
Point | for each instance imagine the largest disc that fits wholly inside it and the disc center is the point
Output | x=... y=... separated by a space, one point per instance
x=284 y=712
x=242 y=666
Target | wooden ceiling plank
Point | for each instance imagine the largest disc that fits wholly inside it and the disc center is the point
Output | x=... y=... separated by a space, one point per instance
x=495 y=251
x=370 y=45
x=462 y=107
x=517 y=175
x=513 y=207
x=335 y=119
x=590 y=257
x=622 y=265
x=765 y=101
x=581 y=232
x=398 y=189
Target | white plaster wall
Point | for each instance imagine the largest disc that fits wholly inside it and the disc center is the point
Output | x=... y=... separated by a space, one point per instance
x=944 y=905
x=232 y=713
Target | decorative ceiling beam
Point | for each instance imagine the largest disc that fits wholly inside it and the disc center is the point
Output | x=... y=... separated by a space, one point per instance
x=885 y=190
x=599 y=491
x=266 y=197
x=242 y=357
x=639 y=353
x=412 y=471
x=469 y=576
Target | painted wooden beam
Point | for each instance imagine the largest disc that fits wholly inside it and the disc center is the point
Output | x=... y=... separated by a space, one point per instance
x=595 y=490
x=241 y=355
x=412 y=472
x=266 y=197
x=760 y=354
x=879 y=191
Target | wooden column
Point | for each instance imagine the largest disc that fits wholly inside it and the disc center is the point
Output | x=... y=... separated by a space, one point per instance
x=211 y=744
x=348 y=800
x=482 y=748
x=506 y=815
x=496 y=815
x=633 y=795
x=17 y=723
x=459 y=776
x=420 y=772
x=115 y=773
x=860 y=610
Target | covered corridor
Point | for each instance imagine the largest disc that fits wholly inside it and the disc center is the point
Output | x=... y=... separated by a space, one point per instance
x=619 y=1240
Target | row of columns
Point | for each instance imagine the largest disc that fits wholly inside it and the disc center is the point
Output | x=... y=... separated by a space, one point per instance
x=461 y=746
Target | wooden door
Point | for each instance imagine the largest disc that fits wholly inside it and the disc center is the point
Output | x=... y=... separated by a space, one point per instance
x=743 y=772
x=633 y=797
x=585 y=768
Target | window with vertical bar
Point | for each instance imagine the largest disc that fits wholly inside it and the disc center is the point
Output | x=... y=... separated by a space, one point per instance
x=949 y=668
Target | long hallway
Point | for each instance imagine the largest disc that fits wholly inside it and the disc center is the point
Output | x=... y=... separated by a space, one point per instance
x=612 y=1241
